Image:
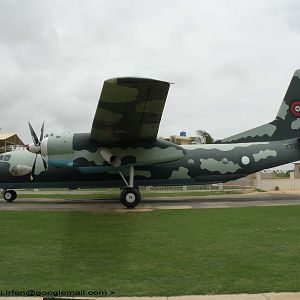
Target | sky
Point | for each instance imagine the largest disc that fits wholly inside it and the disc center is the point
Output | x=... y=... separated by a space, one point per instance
x=230 y=61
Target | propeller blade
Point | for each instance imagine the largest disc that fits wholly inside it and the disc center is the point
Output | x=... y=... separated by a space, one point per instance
x=33 y=166
x=44 y=162
x=33 y=135
x=42 y=132
x=37 y=142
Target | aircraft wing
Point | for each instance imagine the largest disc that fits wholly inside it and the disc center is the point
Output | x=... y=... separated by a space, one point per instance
x=129 y=109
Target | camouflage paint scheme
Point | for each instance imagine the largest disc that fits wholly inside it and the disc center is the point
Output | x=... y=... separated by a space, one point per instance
x=129 y=109
x=126 y=124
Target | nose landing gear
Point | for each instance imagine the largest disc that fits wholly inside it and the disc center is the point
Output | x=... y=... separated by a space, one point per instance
x=9 y=195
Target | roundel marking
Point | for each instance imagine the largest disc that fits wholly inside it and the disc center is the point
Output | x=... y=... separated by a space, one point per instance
x=295 y=108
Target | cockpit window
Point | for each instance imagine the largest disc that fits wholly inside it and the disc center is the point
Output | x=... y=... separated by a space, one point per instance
x=1 y=157
x=7 y=157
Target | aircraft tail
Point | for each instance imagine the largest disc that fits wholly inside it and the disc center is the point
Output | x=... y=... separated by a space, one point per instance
x=285 y=126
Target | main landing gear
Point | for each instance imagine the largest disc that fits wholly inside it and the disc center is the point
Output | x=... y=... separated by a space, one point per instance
x=9 y=195
x=130 y=195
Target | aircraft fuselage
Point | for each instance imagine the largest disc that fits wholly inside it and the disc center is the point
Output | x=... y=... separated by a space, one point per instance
x=74 y=160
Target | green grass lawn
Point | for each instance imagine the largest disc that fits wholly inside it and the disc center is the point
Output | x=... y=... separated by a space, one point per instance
x=163 y=252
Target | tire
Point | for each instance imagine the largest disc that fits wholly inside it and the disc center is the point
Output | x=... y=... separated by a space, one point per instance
x=10 y=195
x=130 y=197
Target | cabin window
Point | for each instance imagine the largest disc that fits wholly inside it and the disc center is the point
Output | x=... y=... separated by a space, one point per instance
x=7 y=157
x=1 y=157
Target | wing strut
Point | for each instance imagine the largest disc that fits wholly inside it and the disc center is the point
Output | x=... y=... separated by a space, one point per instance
x=131 y=177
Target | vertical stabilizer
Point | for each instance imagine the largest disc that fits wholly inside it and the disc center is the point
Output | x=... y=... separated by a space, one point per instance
x=286 y=124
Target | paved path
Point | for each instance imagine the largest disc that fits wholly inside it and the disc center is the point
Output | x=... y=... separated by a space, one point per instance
x=153 y=203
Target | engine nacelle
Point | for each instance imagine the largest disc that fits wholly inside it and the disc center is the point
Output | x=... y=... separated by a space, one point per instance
x=20 y=170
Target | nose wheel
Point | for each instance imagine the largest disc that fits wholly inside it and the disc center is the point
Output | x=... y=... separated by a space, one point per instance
x=9 y=195
x=130 y=195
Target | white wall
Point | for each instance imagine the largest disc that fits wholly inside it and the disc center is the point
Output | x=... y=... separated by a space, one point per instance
x=269 y=184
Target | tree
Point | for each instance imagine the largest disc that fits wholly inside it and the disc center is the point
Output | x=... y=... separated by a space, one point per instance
x=203 y=137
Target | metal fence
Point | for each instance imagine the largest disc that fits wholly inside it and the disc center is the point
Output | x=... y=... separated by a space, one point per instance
x=209 y=187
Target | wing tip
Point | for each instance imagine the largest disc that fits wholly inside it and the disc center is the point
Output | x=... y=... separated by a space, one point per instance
x=133 y=79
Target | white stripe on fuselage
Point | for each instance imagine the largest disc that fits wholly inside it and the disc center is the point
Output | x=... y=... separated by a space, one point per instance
x=222 y=147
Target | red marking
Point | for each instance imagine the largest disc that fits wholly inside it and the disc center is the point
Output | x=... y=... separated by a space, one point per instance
x=295 y=109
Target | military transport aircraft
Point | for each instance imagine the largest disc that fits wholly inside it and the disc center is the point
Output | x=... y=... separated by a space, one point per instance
x=122 y=148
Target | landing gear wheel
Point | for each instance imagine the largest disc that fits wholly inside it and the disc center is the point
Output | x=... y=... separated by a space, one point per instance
x=10 y=195
x=130 y=197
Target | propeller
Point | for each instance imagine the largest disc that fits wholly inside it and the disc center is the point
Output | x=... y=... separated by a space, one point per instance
x=36 y=147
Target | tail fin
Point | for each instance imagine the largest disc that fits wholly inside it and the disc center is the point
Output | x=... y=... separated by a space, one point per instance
x=285 y=126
